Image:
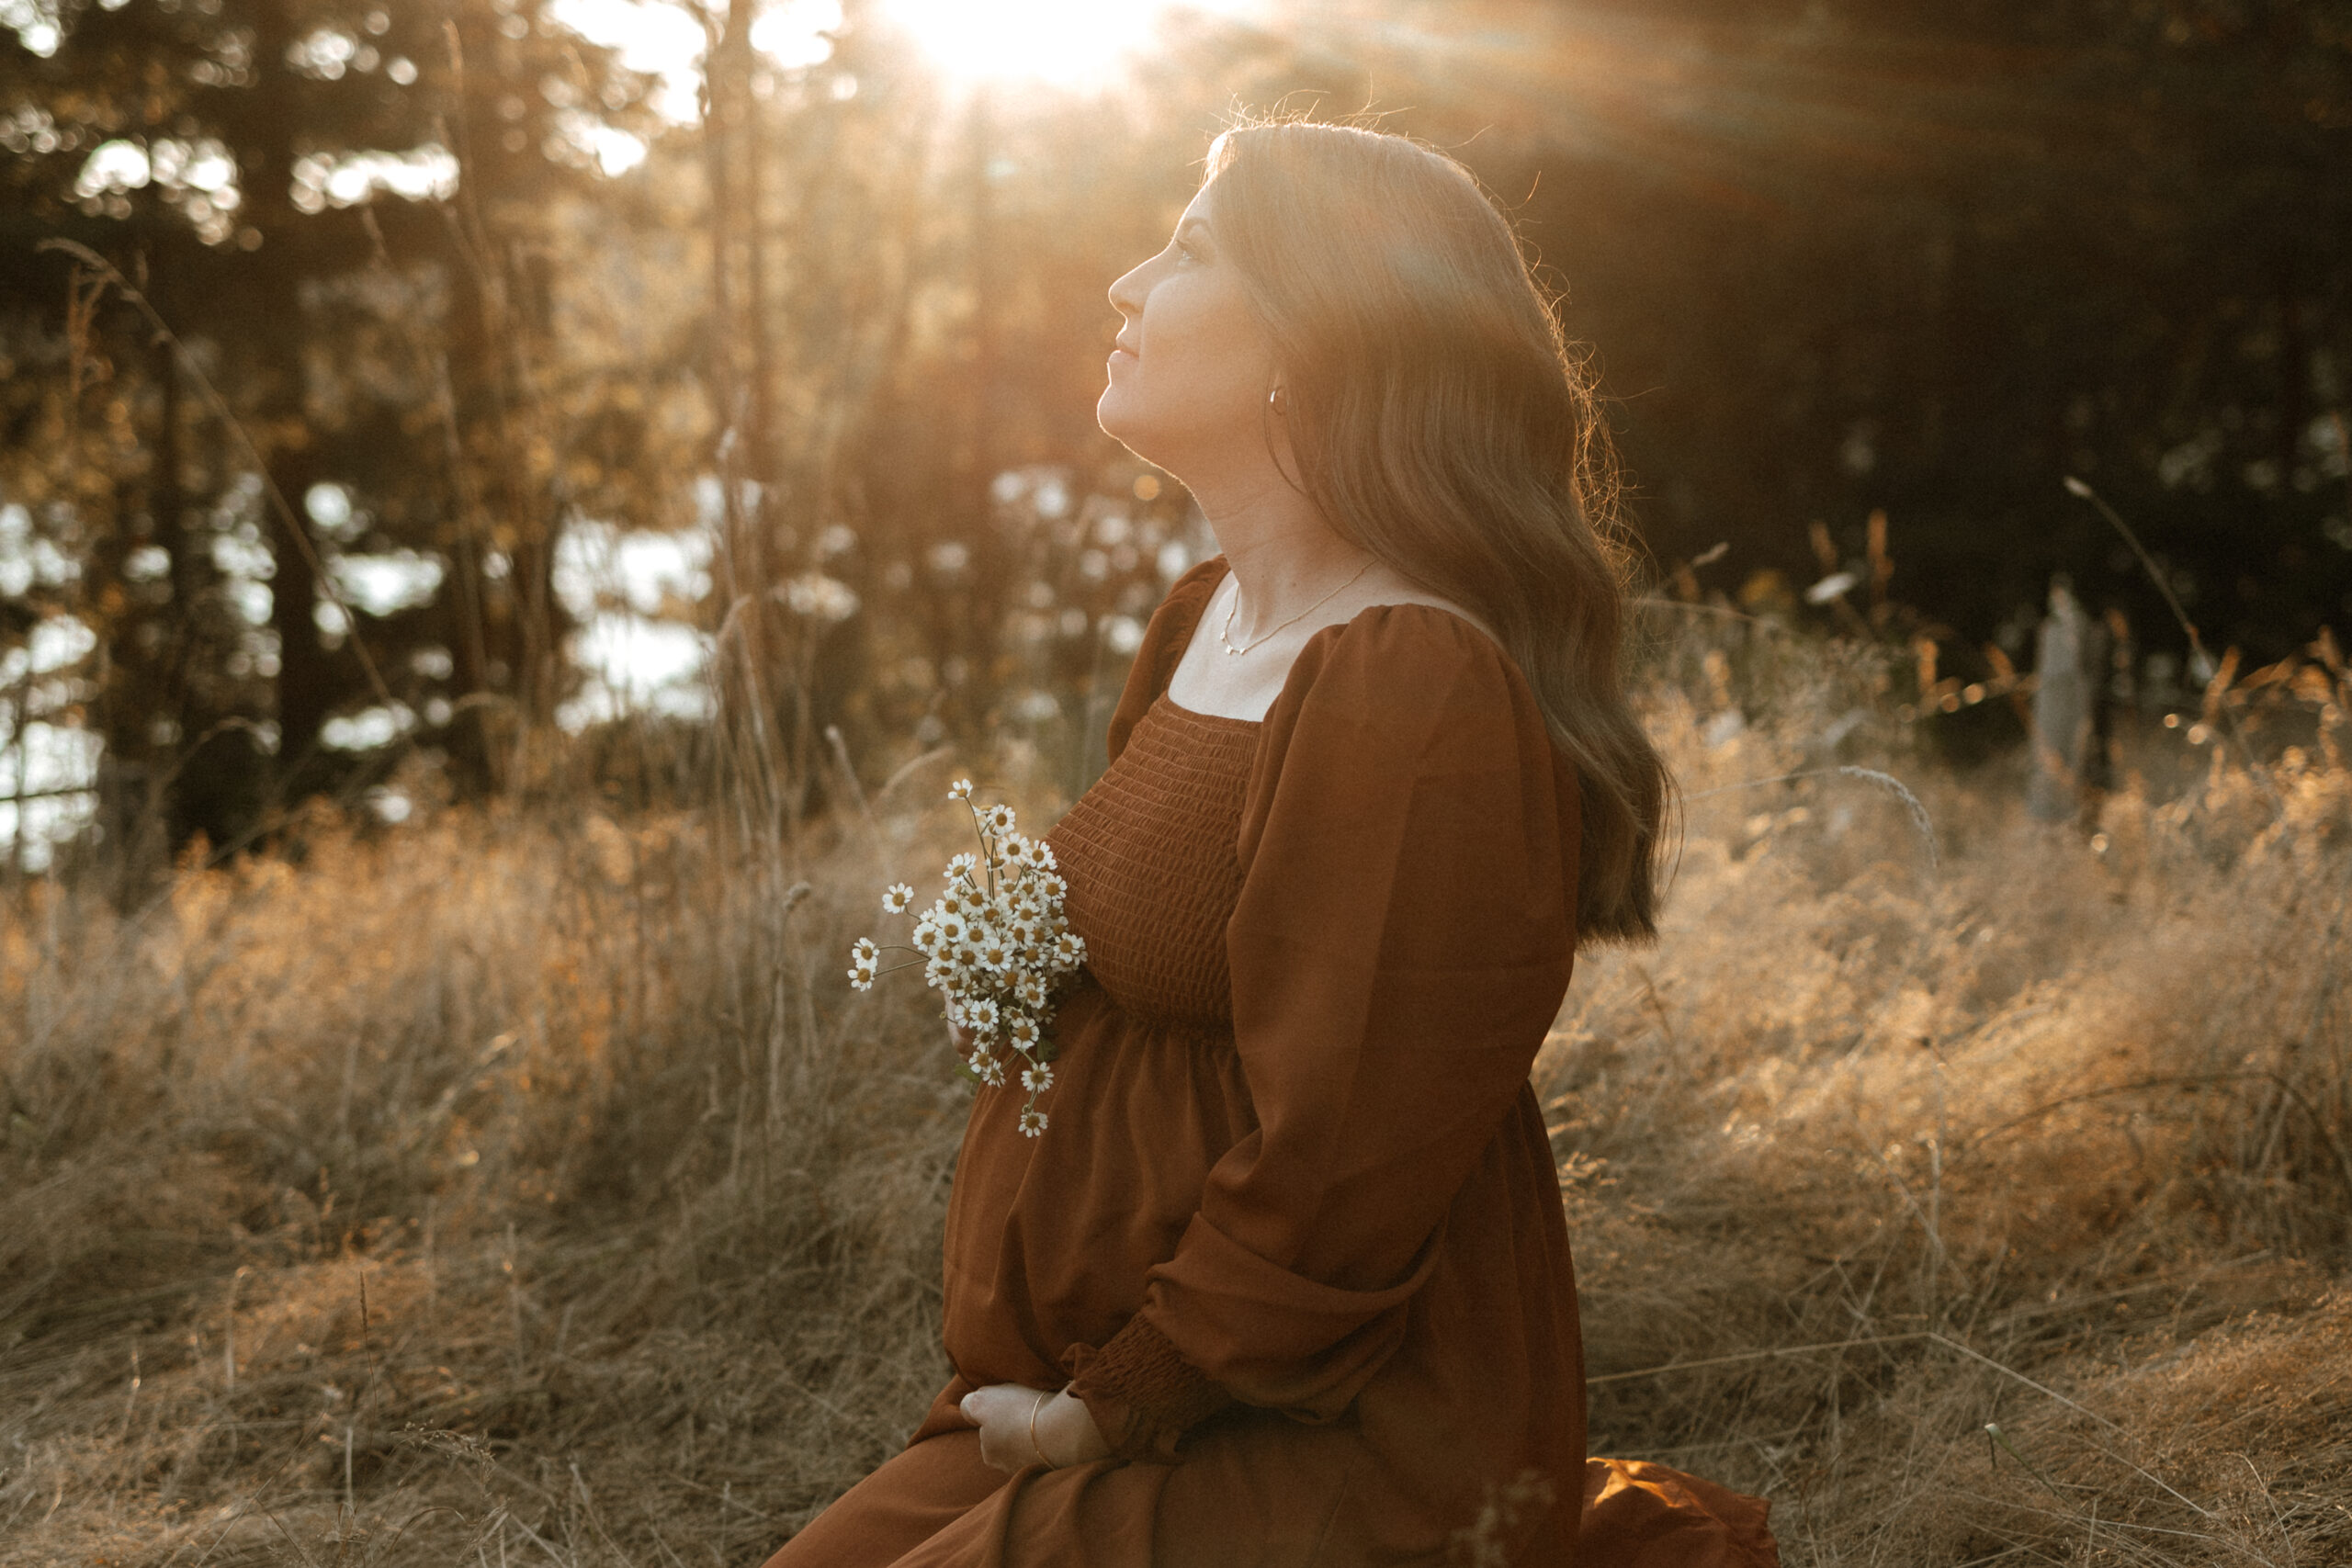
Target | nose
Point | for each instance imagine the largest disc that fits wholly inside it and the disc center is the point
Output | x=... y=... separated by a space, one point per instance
x=1128 y=292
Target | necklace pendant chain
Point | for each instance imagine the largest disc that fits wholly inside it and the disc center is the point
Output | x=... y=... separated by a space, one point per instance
x=1224 y=632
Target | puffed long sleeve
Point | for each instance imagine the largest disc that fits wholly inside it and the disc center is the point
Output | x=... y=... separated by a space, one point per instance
x=1402 y=941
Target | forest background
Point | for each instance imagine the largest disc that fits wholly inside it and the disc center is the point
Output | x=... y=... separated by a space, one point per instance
x=506 y=507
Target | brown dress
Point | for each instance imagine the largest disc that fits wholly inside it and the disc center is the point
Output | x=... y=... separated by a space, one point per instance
x=1293 y=1232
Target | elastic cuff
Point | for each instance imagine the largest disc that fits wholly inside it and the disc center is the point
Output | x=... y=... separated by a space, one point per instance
x=1143 y=1394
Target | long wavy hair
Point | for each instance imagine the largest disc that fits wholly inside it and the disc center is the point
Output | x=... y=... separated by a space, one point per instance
x=1441 y=421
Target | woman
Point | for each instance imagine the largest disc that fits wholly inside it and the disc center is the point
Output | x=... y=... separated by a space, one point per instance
x=1285 y=1280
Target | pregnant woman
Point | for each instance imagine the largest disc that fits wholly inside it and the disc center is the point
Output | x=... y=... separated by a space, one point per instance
x=1285 y=1280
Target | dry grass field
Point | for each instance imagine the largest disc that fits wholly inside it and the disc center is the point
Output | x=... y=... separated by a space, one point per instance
x=528 y=1186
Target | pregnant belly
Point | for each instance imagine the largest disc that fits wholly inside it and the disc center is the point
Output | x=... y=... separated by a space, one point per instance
x=1049 y=1238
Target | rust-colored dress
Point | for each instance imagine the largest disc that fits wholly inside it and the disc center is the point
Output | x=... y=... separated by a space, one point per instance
x=1295 y=1231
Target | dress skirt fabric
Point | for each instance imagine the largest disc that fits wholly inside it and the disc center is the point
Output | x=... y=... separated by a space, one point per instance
x=1293 y=1229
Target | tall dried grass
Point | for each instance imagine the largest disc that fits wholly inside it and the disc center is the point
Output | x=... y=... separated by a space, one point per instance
x=517 y=1186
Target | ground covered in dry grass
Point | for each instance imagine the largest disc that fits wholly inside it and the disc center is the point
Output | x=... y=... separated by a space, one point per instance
x=528 y=1185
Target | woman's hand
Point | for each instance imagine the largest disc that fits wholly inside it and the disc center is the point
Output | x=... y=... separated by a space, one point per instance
x=1065 y=1433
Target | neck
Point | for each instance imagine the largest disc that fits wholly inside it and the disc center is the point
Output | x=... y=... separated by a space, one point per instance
x=1281 y=548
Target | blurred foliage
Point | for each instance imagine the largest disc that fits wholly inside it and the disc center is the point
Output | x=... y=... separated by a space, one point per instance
x=447 y=284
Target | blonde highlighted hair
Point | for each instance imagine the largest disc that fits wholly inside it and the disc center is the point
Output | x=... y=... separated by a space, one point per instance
x=1441 y=421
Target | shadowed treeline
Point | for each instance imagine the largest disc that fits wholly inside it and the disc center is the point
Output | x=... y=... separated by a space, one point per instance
x=350 y=345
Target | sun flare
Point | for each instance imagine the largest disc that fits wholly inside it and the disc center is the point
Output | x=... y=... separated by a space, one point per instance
x=1066 y=43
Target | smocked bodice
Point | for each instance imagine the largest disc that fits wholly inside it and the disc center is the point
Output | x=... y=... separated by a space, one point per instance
x=1149 y=856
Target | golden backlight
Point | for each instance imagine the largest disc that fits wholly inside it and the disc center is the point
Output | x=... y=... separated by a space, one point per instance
x=1070 y=43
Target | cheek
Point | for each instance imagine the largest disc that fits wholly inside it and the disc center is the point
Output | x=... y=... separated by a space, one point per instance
x=1204 y=354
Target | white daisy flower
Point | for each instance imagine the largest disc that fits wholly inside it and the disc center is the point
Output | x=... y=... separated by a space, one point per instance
x=994 y=944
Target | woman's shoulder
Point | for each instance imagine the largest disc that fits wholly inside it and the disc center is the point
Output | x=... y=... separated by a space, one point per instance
x=1412 y=650
x=1413 y=675
x=1408 y=706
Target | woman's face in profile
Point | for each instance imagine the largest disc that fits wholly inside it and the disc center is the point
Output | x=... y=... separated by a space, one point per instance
x=1192 y=367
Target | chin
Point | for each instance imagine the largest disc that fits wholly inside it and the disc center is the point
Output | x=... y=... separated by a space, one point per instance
x=1118 y=421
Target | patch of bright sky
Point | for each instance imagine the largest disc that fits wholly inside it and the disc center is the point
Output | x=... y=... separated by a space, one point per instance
x=202 y=165
x=330 y=507
x=35 y=24
x=368 y=729
x=54 y=757
x=614 y=585
x=46 y=756
x=26 y=560
x=422 y=174
x=666 y=41
x=387 y=583
x=596 y=564
x=635 y=664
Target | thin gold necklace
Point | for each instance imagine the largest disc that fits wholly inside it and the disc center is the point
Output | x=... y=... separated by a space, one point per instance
x=1223 y=631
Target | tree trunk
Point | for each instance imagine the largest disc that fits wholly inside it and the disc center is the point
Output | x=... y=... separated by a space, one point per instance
x=306 y=691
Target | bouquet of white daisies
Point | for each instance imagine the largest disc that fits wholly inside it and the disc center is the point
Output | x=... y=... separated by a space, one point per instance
x=996 y=945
